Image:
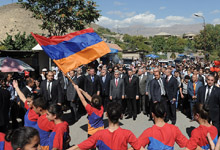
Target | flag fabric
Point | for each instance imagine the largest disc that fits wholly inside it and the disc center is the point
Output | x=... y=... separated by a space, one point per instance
x=73 y=50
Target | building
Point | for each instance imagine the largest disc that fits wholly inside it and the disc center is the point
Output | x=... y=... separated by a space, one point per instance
x=189 y=36
x=163 y=34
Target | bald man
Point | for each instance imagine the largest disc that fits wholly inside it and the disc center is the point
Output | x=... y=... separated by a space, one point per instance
x=193 y=87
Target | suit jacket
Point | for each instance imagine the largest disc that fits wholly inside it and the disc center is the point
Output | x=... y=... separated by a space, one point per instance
x=71 y=93
x=213 y=102
x=201 y=79
x=56 y=92
x=142 y=85
x=91 y=87
x=80 y=81
x=171 y=88
x=123 y=75
x=105 y=85
x=117 y=91
x=132 y=89
x=190 y=89
x=149 y=79
x=4 y=106
x=155 y=90
x=25 y=91
x=62 y=82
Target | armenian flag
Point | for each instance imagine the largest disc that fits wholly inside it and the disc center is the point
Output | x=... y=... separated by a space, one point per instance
x=74 y=49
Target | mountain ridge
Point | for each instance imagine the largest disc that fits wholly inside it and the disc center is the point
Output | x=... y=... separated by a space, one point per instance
x=178 y=29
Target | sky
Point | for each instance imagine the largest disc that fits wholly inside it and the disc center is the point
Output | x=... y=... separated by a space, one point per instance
x=154 y=13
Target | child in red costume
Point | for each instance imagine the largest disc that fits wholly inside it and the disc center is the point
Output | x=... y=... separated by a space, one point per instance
x=112 y=138
x=4 y=144
x=199 y=135
x=44 y=126
x=60 y=134
x=95 y=111
x=30 y=118
x=161 y=136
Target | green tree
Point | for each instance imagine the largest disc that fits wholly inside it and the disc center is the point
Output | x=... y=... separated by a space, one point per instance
x=102 y=31
x=175 y=44
x=208 y=39
x=58 y=16
x=158 y=44
x=18 y=42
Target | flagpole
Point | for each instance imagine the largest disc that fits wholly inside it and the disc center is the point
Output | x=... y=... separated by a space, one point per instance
x=65 y=74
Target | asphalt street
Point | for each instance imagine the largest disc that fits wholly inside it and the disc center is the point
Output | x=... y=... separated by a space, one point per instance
x=78 y=130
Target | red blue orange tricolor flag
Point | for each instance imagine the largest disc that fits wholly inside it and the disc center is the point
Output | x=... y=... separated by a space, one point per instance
x=74 y=49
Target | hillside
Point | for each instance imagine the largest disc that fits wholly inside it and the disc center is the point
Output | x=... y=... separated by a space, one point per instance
x=16 y=19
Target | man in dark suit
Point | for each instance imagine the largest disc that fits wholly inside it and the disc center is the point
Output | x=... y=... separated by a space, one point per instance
x=201 y=76
x=4 y=105
x=28 y=88
x=122 y=73
x=92 y=84
x=157 y=91
x=104 y=84
x=72 y=96
x=210 y=95
x=142 y=91
x=51 y=90
x=132 y=94
x=63 y=83
x=117 y=89
x=80 y=79
x=170 y=85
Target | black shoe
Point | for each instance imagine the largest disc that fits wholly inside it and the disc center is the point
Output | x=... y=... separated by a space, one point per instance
x=125 y=114
x=134 y=118
x=128 y=117
x=150 y=119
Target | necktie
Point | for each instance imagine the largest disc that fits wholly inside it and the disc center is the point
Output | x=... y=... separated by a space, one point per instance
x=116 y=82
x=130 y=80
x=167 y=80
x=103 y=79
x=92 y=78
x=48 y=90
x=161 y=87
x=65 y=83
x=140 y=77
x=207 y=95
x=194 y=88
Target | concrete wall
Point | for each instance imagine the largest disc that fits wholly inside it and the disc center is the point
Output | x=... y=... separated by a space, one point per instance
x=131 y=55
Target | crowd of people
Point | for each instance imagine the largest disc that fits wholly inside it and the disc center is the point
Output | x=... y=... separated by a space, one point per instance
x=158 y=90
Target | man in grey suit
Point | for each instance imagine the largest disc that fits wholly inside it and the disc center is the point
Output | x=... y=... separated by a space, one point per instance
x=116 y=91
x=72 y=96
x=142 y=90
x=150 y=77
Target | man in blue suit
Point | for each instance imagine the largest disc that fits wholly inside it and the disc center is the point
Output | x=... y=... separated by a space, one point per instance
x=193 y=87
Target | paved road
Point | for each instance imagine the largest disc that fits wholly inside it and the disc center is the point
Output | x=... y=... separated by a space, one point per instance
x=78 y=131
